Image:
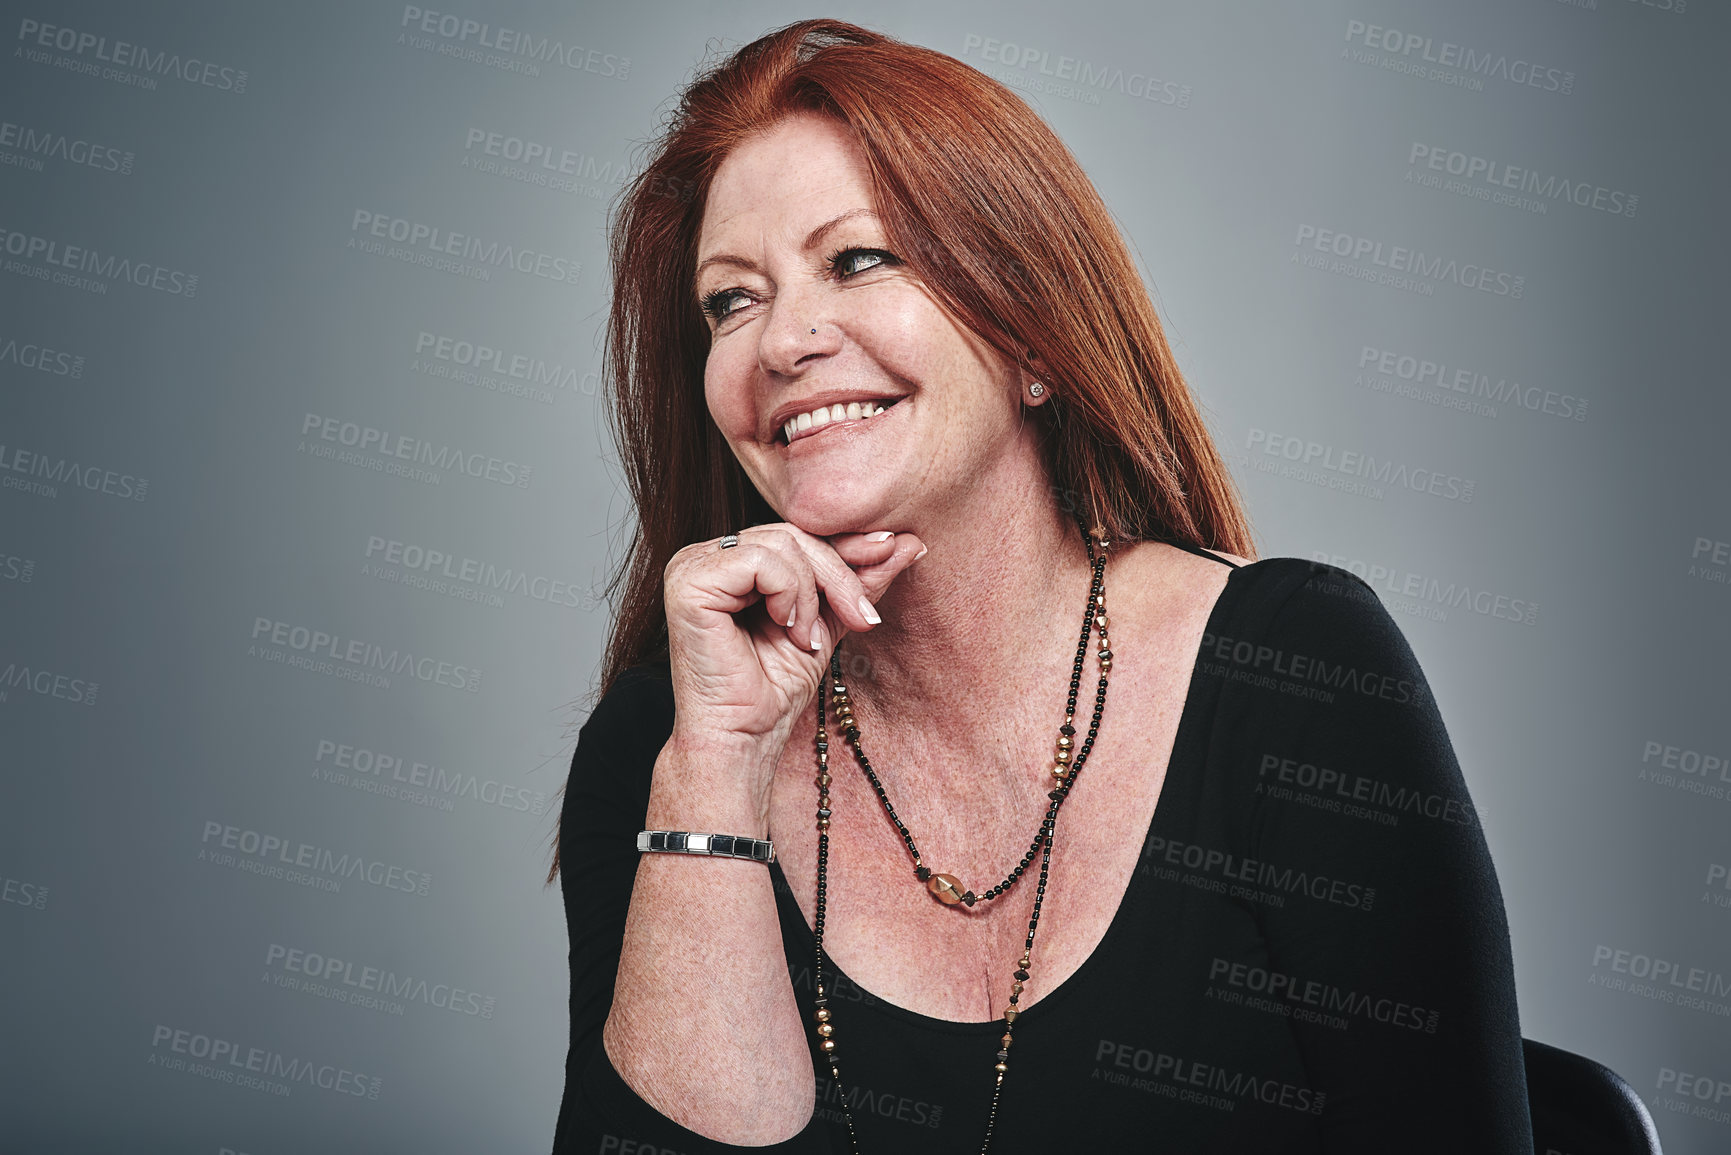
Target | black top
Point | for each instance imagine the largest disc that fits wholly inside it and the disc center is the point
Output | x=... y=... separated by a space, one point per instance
x=1312 y=957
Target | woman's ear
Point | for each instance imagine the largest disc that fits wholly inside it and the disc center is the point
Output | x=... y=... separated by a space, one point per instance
x=1035 y=384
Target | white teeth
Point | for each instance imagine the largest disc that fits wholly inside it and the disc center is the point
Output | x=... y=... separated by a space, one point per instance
x=823 y=415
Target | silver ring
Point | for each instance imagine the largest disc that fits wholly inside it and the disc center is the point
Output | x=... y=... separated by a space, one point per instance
x=729 y=541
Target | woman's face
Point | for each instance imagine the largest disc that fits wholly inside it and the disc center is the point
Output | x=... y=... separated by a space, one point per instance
x=790 y=244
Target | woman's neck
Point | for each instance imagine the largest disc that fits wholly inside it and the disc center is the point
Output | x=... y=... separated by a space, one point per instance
x=992 y=613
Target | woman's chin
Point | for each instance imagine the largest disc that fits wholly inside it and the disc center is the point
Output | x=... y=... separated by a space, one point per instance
x=828 y=515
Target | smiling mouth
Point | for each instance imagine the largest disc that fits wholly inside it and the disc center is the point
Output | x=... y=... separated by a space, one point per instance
x=853 y=413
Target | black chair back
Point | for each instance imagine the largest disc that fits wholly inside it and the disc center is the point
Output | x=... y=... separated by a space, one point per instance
x=1580 y=1107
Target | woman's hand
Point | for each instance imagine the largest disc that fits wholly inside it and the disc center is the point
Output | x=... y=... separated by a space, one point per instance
x=750 y=628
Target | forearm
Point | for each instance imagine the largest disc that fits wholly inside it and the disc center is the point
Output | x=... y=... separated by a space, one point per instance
x=704 y=1025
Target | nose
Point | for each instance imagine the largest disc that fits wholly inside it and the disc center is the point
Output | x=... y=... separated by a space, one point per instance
x=794 y=336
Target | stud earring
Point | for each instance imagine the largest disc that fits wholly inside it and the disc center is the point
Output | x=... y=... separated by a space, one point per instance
x=1037 y=389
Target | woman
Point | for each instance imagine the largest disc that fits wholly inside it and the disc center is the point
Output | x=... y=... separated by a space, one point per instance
x=900 y=425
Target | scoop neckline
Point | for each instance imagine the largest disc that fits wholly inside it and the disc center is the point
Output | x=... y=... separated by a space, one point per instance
x=1114 y=929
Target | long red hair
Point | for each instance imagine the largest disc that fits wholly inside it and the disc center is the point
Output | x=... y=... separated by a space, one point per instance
x=988 y=207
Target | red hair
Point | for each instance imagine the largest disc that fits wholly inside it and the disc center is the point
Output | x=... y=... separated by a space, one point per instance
x=987 y=206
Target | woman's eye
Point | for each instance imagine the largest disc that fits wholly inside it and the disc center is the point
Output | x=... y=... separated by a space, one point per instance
x=721 y=302
x=851 y=261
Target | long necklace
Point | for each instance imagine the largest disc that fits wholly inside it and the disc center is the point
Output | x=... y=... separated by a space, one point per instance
x=1067 y=765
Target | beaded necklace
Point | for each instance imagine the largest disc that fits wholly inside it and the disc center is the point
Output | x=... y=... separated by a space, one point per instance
x=947 y=889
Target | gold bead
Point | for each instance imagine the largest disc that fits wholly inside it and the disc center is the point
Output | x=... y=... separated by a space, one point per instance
x=826 y=1046
x=1016 y=987
x=823 y=824
x=1060 y=771
x=1100 y=621
x=1099 y=599
x=825 y=1029
x=823 y=1014
x=1062 y=755
x=946 y=888
x=824 y=780
x=1065 y=742
x=1010 y=1015
x=1006 y=1041
x=1001 y=1068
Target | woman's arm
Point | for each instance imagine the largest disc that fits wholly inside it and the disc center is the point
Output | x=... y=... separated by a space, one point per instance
x=1397 y=929
x=685 y=1033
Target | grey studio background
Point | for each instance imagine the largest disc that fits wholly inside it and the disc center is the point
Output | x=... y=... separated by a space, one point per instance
x=307 y=498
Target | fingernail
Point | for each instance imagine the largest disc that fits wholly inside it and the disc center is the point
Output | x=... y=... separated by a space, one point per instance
x=817 y=635
x=871 y=615
x=791 y=617
x=880 y=535
x=923 y=552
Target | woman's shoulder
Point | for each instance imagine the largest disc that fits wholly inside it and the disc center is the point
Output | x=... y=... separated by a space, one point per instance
x=1309 y=623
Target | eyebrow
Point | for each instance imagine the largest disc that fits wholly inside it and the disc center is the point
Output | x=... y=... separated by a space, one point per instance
x=812 y=240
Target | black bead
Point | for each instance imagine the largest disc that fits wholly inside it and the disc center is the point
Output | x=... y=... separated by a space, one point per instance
x=1021 y=976
x=1067 y=730
x=922 y=873
x=970 y=898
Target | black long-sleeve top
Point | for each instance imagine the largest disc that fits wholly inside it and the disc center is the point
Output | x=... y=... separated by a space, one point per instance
x=1312 y=957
